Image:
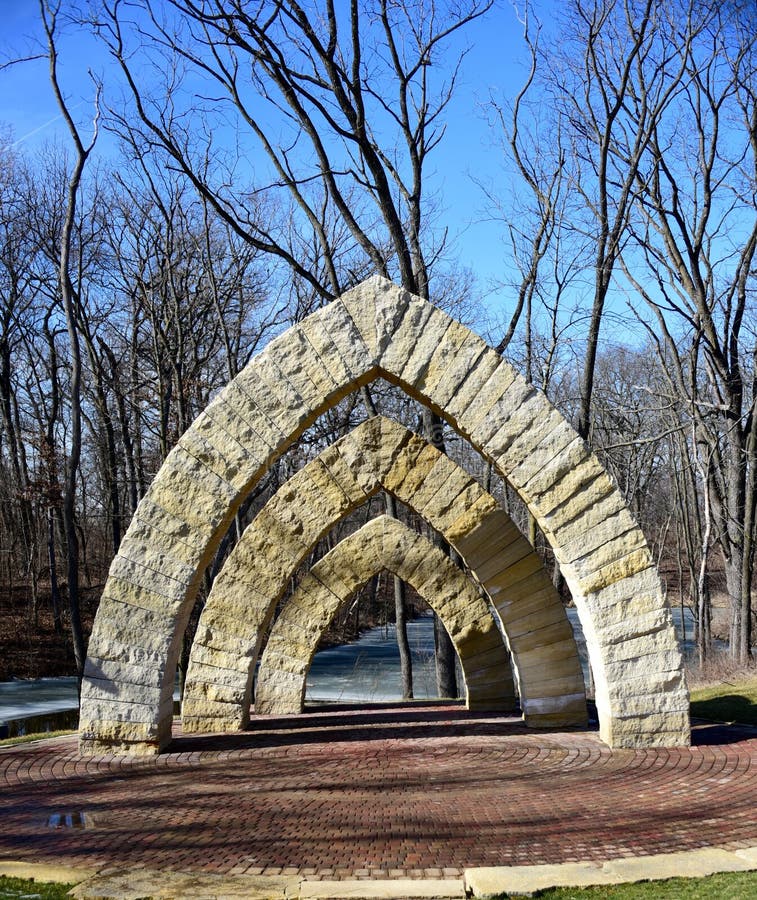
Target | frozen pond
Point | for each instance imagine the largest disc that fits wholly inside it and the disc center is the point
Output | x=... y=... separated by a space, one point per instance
x=362 y=672
x=368 y=670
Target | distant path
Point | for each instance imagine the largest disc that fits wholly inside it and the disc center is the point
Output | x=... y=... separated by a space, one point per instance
x=388 y=792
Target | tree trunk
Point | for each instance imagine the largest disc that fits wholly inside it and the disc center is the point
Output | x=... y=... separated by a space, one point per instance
x=446 y=680
x=400 y=616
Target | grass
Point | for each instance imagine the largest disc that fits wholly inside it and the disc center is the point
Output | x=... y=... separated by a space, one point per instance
x=26 y=738
x=726 y=886
x=727 y=701
x=29 y=889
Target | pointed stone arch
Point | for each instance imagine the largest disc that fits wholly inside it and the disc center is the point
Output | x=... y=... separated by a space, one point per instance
x=381 y=454
x=383 y=544
x=380 y=330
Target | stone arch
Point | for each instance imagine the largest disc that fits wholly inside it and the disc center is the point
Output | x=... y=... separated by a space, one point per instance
x=381 y=454
x=380 y=330
x=383 y=543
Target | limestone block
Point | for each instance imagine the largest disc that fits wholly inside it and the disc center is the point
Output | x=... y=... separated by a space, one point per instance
x=527 y=640
x=100 y=735
x=514 y=552
x=280 y=695
x=361 y=454
x=408 y=330
x=185 y=487
x=511 y=575
x=413 y=462
x=266 y=400
x=276 y=537
x=565 y=498
x=217 y=692
x=236 y=657
x=658 y=620
x=338 y=343
x=547 y=433
x=404 y=483
x=488 y=528
x=518 y=394
x=652 y=682
x=233 y=603
x=457 y=371
x=147 y=577
x=340 y=471
x=540 y=596
x=536 y=448
x=310 y=613
x=524 y=419
x=376 y=307
x=553 y=651
x=114 y=643
x=620 y=665
x=550 y=704
x=654 y=730
x=611 y=551
x=632 y=563
x=480 y=637
x=487 y=382
x=278 y=658
x=202 y=723
x=608 y=521
x=563 y=685
x=480 y=696
x=486 y=660
x=495 y=536
x=558 y=668
x=636 y=595
x=152 y=548
x=335 y=573
x=124 y=598
x=445 y=479
x=465 y=524
x=533 y=622
x=174 y=527
x=441 y=512
x=230 y=461
x=651 y=704
x=237 y=413
x=393 y=439
x=290 y=359
x=127 y=678
x=441 y=358
x=135 y=702
x=111 y=708
x=215 y=709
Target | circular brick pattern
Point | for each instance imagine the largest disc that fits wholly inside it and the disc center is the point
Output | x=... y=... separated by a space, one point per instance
x=396 y=792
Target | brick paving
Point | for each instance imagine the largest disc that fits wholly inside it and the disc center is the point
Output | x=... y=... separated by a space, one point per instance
x=382 y=793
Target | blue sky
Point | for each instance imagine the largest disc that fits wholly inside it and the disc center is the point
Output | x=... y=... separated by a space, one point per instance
x=495 y=63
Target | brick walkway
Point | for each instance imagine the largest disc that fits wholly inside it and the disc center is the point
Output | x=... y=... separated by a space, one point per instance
x=381 y=793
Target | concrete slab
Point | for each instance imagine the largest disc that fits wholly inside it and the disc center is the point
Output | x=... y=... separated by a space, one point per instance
x=45 y=871
x=133 y=884
x=688 y=864
x=390 y=889
x=493 y=881
x=749 y=854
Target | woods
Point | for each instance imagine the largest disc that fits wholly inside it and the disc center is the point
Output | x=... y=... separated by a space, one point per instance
x=263 y=161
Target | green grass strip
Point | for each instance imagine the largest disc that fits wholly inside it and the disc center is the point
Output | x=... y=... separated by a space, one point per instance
x=726 y=702
x=726 y=886
x=27 y=738
x=29 y=889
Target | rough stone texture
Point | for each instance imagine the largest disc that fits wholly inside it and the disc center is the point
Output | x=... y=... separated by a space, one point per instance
x=378 y=330
x=390 y=545
x=379 y=454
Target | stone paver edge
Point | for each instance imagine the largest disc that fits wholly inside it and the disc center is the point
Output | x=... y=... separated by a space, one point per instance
x=482 y=883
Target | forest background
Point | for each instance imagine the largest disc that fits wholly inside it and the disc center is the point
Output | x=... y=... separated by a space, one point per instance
x=577 y=181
